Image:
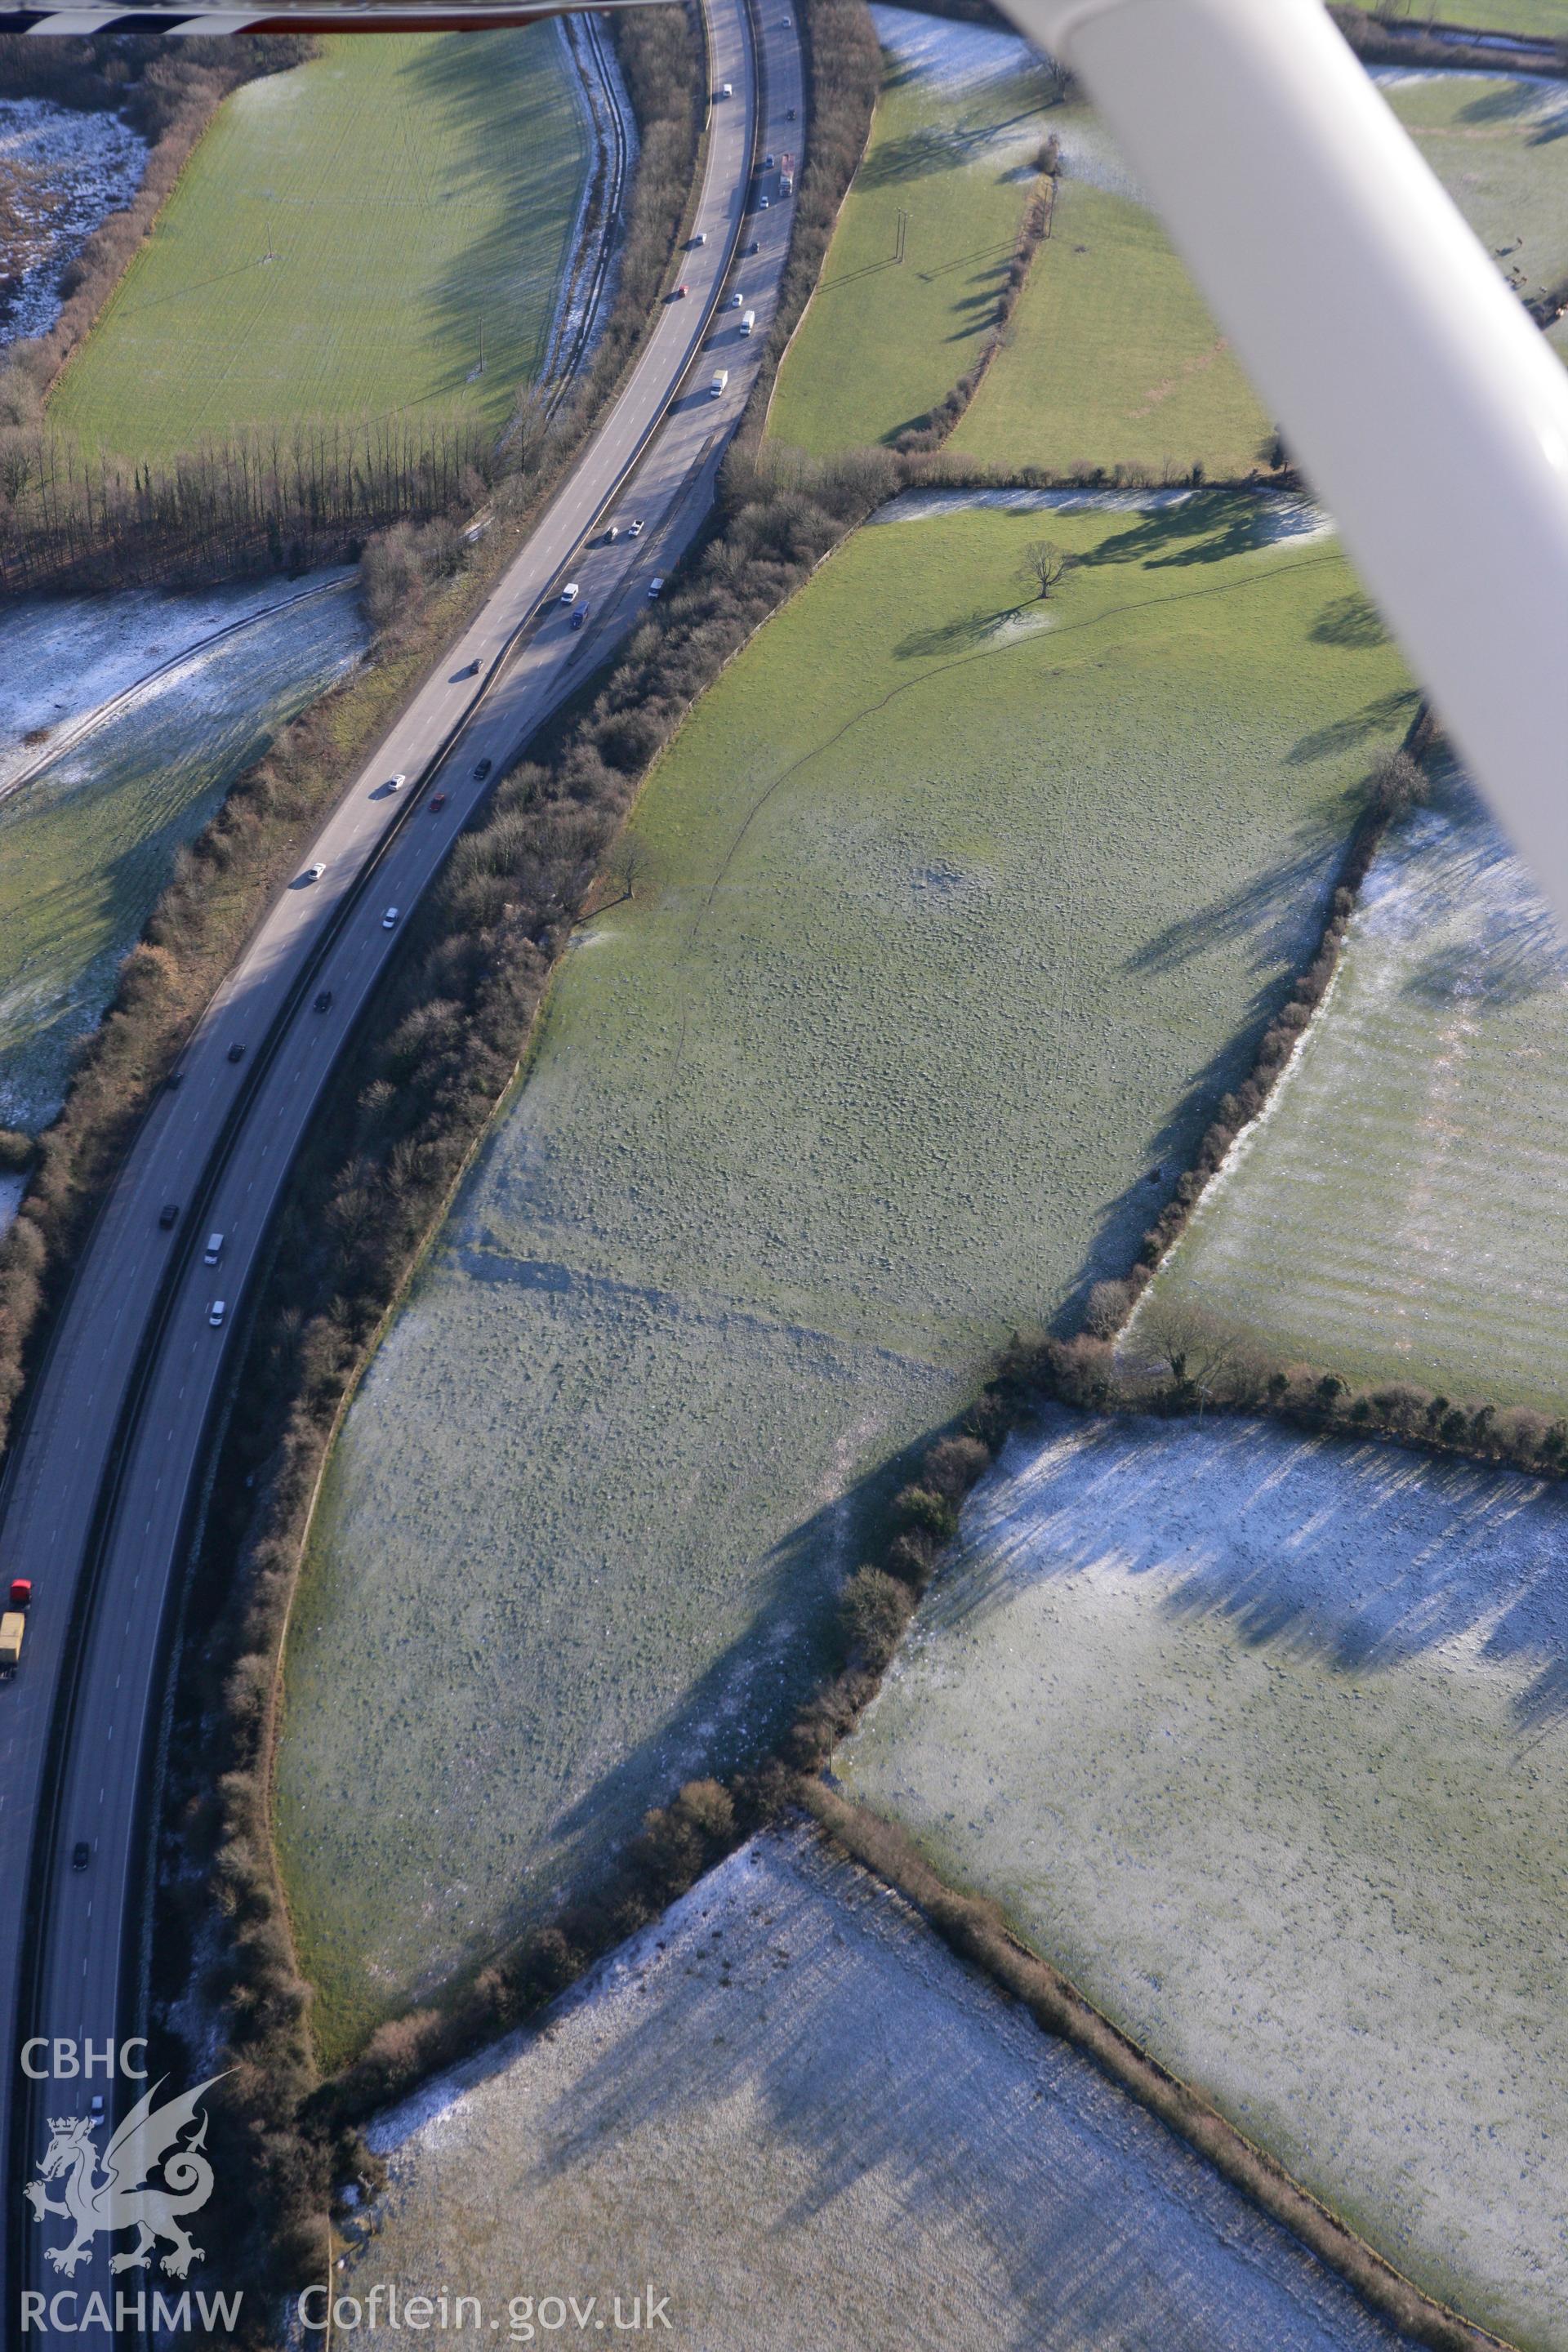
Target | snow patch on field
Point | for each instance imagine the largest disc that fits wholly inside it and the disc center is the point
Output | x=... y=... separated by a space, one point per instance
x=1264 y=1739
x=61 y=174
x=954 y=59
x=1279 y=519
x=64 y=659
x=793 y=2109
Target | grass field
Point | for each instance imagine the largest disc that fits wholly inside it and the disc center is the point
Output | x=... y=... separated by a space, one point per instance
x=952 y=145
x=1114 y=359
x=86 y=846
x=791 y=2107
x=1263 y=1740
x=1400 y=1210
x=741 y=1234
x=412 y=190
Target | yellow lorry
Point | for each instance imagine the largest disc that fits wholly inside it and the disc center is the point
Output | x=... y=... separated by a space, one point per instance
x=13 y=1625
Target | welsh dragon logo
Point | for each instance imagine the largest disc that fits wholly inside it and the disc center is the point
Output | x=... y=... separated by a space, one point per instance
x=120 y=2197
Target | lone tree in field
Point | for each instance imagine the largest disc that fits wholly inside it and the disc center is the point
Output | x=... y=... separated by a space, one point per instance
x=1044 y=563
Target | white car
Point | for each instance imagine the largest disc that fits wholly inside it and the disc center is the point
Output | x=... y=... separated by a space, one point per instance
x=389 y=920
x=217 y=1312
x=762 y=204
x=635 y=528
x=735 y=301
x=726 y=89
x=654 y=588
x=570 y=594
x=395 y=783
x=700 y=238
x=314 y=873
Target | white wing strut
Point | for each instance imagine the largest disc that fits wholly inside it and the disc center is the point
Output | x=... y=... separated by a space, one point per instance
x=1426 y=408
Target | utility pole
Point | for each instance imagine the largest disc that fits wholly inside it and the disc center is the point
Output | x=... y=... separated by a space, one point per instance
x=901 y=234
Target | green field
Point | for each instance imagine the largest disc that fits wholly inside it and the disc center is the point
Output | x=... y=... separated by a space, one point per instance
x=813 y=2126
x=744 y=1231
x=952 y=144
x=1397 y=1213
x=1113 y=357
x=1545 y=18
x=1262 y=1738
x=86 y=846
x=413 y=190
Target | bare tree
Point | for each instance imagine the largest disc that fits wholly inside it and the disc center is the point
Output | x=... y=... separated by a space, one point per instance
x=1043 y=565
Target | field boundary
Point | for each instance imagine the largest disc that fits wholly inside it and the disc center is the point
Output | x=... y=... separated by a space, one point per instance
x=977 y=1931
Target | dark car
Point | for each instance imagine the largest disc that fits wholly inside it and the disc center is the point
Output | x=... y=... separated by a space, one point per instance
x=438 y=801
x=483 y=770
x=169 y=1215
x=755 y=246
x=236 y=1052
x=323 y=1000
x=175 y=1078
x=789 y=114
x=579 y=616
x=81 y=1854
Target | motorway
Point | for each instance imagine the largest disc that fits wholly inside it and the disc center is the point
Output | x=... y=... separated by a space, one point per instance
x=99 y=1501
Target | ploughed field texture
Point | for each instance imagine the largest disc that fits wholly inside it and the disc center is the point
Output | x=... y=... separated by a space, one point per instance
x=1261 y=1739
x=412 y=190
x=154 y=705
x=1113 y=357
x=795 y=2112
x=1401 y=1210
x=741 y=1237
x=953 y=143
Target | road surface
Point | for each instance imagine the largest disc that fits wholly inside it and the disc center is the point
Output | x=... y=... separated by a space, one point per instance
x=97 y=1502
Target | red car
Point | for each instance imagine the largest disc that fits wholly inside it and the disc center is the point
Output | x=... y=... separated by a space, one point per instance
x=21 y=1592
x=437 y=801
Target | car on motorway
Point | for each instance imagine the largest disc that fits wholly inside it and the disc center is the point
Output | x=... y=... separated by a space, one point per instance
x=726 y=89
x=699 y=237
x=389 y=920
x=395 y=783
x=323 y=1000
x=217 y=1312
x=579 y=616
x=755 y=246
x=736 y=300
x=81 y=1854
x=612 y=534
x=768 y=163
x=21 y=1592
x=481 y=771
x=213 y=1252
x=789 y=113
x=763 y=204
x=570 y=594
x=169 y=1215
x=438 y=803
x=680 y=293
x=654 y=587
x=174 y=1078
x=636 y=531
x=236 y=1052
x=313 y=873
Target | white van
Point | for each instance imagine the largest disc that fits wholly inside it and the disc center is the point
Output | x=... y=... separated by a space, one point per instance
x=748 y=322
x=721 y=378
x=214 y=1250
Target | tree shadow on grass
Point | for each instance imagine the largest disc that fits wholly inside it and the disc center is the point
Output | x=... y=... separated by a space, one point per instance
x=935 y=148
x=1354 y=1551
x=506 y=278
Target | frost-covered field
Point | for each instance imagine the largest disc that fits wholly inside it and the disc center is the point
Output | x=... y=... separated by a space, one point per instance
x=1264 y=1739
x=61 y=172
x=739 y=1237
x=810 y=2126
x=86 y=840
x=1401 y=1211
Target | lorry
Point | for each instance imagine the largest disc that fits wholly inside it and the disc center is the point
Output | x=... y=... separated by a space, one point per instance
x=13 y=1625
x=748 y=322
x=721 y=378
